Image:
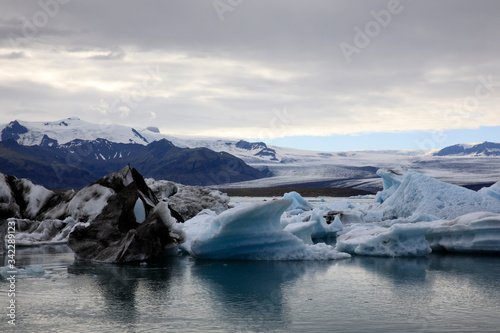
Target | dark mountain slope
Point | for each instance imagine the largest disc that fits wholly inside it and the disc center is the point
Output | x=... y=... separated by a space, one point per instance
x=79 y=162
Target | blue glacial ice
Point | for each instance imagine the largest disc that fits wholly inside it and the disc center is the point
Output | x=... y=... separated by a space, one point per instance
x=253 y=232
x=415 y=215
x=299 y=204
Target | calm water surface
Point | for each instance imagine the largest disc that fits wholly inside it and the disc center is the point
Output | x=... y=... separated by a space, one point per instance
x=437 y=293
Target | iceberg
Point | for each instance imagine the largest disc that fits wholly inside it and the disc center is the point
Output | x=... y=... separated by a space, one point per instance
x=21 y=273
x=299 y=204
x=31 y=233
x=415 y=215
x=415 y=193
x=397 y=241
x=186 y=200
x=253 y=232
x=472 y=233
x=133 y=226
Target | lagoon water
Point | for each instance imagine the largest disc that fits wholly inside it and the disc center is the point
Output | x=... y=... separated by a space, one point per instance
x=437 y=293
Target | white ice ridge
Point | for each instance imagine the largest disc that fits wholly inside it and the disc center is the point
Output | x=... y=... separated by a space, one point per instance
x=471 y=233
x=252 y=232
x=415 y=215
x=414 y=193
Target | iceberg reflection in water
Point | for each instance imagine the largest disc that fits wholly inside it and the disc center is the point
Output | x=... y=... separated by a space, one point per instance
x=434 y=293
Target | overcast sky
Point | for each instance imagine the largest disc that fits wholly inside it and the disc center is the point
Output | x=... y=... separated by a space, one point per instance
x=359 y=74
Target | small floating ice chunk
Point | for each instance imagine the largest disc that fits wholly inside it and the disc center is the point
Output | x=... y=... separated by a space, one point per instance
x=299 y=204
x=19 y=273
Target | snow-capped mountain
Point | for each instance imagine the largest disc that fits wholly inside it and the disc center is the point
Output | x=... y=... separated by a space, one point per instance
x=462 y=164
x=66 y=130
x=477 y=149
x=70 y=153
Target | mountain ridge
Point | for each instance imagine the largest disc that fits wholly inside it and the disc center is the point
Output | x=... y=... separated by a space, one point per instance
x=462 y=149
x=78 y=162
x=276 y=166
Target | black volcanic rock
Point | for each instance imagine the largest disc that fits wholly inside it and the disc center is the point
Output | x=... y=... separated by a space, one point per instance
x=118 y=234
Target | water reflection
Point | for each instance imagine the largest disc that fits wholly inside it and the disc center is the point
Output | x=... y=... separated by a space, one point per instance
x=124 y=287
x=397 y=270
x=249 y=295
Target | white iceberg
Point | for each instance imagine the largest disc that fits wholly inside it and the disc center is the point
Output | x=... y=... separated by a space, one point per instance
x=397 y=241
x=415 y=215
x=415 y=193
x=471 y=233
x=252 y=232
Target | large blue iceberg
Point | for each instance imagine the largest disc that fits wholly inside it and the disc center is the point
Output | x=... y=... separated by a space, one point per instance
x=252 y=232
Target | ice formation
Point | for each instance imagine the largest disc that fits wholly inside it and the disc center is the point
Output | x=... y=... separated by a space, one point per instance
x=189 y=200
x=415 y=215
x=133 y=226
x=22 y=273
x=471 y=233
x=43 y=232
x=298 y=205
x=398 y=240
x=252 y=232
x=415 y=193
x=89 y=202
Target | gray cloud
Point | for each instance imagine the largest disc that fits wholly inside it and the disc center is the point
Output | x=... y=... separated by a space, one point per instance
x=220 y=77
